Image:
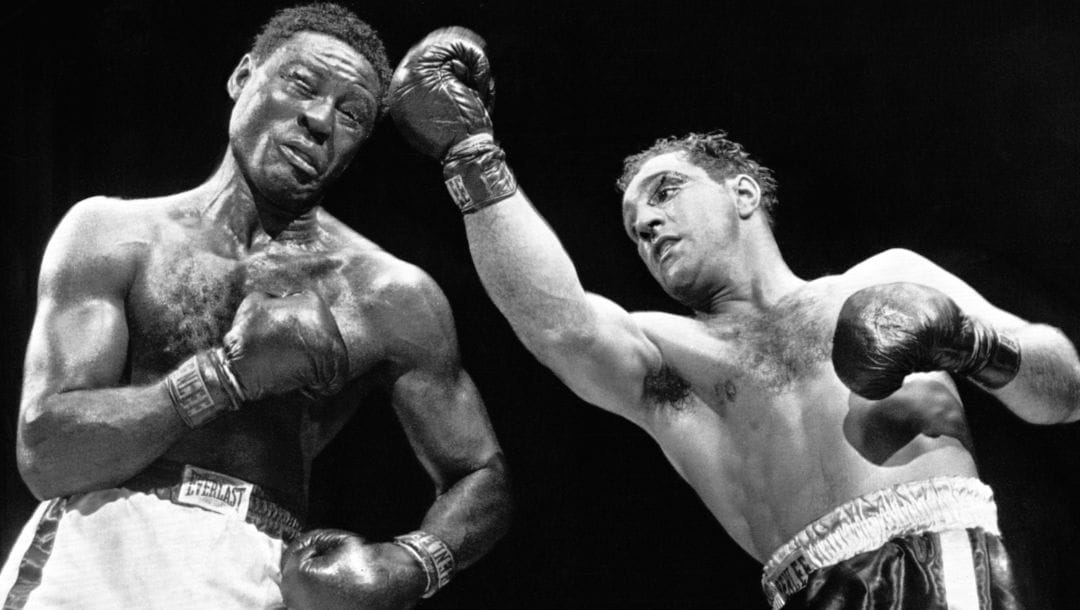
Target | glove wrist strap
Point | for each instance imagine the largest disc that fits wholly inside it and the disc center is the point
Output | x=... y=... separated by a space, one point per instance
x=434 y=556
x=476 y=173
x=202 y=388
x=996 y=358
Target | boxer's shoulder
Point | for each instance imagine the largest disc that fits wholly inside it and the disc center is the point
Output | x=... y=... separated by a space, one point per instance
x=98 y=241
x=894 y=264
x=109 y=218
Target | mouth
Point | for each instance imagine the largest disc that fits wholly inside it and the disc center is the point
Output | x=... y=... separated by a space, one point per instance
x=301 y=160
x=663 y=247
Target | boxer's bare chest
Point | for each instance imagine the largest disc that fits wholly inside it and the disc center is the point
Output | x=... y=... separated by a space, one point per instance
x=186 y=295
x=727 y=359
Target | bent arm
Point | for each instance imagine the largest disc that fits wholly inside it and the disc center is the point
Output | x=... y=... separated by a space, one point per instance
x=77 y=429
x=592 y=344
x=447 y=425
x=1046 y=389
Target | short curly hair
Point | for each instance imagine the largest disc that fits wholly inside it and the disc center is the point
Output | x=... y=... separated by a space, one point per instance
x=716 y=154
x=330 y=19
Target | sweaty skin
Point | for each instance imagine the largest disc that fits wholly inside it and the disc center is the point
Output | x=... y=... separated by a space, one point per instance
x=130 y=289
x=741 y=395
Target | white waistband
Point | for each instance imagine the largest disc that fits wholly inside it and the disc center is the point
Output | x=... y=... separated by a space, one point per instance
x=868 y=522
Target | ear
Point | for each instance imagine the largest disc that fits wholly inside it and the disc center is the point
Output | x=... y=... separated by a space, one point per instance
x=747 y=194
x=240 y=75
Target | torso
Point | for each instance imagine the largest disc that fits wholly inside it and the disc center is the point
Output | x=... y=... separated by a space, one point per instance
x=751 y=414
x=185 y=292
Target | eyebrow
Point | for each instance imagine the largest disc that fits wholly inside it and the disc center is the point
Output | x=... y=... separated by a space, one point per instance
x=648 y=184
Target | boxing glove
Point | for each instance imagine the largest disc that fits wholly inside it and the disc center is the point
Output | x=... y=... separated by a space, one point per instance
x=439 y=98
x=280 y=344
x=885 y=332
x=331 y=569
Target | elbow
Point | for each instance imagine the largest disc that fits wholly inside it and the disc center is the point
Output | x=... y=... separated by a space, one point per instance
x=502 y=504
x=33 y=455
x=35 y=475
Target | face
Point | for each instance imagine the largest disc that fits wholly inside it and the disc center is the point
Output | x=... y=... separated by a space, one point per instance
x=684 y=224
x=299 y=118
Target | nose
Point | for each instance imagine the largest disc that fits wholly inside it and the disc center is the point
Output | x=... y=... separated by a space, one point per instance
x=318 y=119
x=647 y=223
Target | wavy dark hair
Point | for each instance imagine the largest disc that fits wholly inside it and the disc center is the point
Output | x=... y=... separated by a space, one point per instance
x=330 y=19
x=715 y=153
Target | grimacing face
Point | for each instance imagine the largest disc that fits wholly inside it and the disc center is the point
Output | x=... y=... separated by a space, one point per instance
x=299 y=118
x=683 y=223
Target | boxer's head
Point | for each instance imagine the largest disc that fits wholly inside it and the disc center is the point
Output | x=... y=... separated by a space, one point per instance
x=714 y=153
x=306 y=97
x=697 y=209
x=332 y=20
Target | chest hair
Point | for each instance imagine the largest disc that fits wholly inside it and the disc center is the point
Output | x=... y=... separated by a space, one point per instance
x=769 y=349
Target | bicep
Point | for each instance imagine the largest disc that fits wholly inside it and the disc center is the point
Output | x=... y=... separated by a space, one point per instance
x=445 y=421
x=434 y=398
x=608 y=366
x=76 y=345
x=79 y=337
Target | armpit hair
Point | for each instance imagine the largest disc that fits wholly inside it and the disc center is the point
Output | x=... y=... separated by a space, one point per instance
x=664 y=387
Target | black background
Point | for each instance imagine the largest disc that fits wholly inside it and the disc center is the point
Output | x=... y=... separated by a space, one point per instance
x=951 y=130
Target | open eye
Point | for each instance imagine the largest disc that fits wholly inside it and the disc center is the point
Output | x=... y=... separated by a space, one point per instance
x=665 y=192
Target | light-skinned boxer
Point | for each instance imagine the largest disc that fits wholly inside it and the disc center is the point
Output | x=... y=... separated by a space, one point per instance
x=842 y=464
x=191 y=354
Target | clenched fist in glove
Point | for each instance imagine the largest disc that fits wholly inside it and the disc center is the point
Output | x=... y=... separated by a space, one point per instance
x=439 y=98
x=276 y=345
x=888 y=331
x=331 y=569
x=280 y=344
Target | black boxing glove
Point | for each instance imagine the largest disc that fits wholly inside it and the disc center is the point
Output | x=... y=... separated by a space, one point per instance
x=439 y=98
x=280 y=344
x=888 y=331
x=275 y=345
x=334 y=569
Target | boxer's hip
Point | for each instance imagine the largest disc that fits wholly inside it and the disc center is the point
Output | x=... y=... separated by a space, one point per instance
x=942 y=527
x=198 y=539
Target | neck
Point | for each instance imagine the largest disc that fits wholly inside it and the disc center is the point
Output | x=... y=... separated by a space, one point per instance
x=760 y=278
x=228 y=200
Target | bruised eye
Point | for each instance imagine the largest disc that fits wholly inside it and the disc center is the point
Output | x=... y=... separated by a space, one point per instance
x=664 y=193
x=665 y=189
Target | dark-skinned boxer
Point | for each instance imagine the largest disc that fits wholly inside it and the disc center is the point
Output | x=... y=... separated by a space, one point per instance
x=192 y=354
x=847 y=500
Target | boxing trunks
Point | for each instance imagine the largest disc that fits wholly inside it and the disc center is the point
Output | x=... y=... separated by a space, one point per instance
x=930 y=544
x=172 y=537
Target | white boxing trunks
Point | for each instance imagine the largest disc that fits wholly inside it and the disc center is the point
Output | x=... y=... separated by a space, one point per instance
x=206 y=541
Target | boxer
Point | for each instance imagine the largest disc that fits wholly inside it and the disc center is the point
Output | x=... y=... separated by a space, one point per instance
x=191 y=354
x=816 y=419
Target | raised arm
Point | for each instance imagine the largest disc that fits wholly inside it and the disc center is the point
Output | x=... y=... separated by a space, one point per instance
x=78 y=428
x=933 y=320
x=448 y=429
x=438 y=100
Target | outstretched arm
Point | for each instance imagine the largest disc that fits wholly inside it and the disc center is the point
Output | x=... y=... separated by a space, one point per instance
x=437 y=99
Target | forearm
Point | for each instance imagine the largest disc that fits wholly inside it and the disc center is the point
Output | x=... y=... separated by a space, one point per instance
x=82 y=440
x=1046 y=389
x=473 y=514
x=528 y=274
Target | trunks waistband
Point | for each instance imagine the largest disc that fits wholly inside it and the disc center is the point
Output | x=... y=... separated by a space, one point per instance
x=188 y=485
x=868 y=522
